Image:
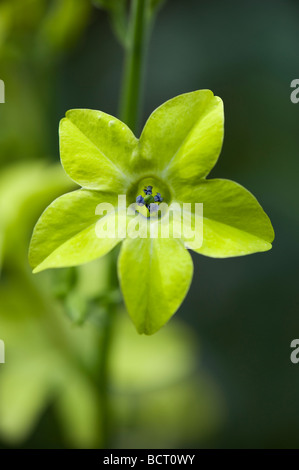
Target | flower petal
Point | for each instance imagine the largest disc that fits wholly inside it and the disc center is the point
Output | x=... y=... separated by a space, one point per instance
x=65 y=234
x=95 y=149
x=182 y=138
x=234 y=223
x=155 y=275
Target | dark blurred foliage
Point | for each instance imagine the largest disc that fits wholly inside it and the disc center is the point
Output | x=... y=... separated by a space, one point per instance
x=243 y=312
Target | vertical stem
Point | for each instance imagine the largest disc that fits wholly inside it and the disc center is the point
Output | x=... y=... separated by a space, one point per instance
x=104 y=378
x=104 y=355
x=134 y=64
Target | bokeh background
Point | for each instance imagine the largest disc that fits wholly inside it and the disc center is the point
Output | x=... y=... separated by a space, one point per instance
x=219 y=374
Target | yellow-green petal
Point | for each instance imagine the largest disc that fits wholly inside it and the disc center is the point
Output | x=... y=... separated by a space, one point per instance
x=155 y=275
x=65 y=234
x=234 y=223
x=182 y=138
x=95 y=150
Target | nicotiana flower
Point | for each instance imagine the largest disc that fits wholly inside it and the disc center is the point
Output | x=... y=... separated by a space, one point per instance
x=178 y=147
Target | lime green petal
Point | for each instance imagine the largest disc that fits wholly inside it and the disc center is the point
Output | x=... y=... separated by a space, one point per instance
x=155 y=275
x=182 y=138
x=65 y=234
x=95 y=149
x=234 y=223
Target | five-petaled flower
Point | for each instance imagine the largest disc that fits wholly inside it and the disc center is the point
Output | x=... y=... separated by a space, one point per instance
x=179 y=145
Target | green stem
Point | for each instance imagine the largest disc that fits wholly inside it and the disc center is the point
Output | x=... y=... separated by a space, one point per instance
x=134 y=64
x=106 y=344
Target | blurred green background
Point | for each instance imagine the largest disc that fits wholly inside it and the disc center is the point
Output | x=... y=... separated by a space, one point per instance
x=219 y=374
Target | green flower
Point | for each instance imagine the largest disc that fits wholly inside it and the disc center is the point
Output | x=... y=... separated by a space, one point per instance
x=178 y=147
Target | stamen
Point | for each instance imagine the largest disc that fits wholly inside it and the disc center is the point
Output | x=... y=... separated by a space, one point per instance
x=140 y=200
x=148 y=200
x=148 y=190
x=158 y=198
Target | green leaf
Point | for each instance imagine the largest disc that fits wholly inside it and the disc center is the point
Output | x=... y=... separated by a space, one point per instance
x=65 y=234
x=76 y=307
x=79 y=409
x=117 y=10
x=155 y=275
x=43 y=361
x=25 y=189
x=234 y=223
x=62 y=24
x=21 y=411
x=96 y=149
x=182 y=138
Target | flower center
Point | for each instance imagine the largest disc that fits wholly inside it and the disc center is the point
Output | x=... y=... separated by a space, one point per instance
x=148 y=193
x=149 y=201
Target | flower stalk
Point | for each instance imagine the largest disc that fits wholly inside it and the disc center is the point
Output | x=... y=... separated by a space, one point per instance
x=106 y=343
x=134 y=64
